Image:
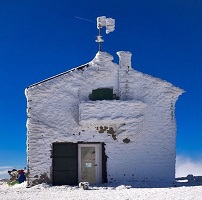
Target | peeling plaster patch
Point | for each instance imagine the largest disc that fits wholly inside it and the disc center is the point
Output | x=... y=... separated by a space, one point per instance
x=42 y=179
x=112 y=132
x=102 y=130
x=126 y=140
x=109 y=130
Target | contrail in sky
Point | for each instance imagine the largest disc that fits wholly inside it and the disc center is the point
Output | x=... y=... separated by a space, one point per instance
x=84 y=19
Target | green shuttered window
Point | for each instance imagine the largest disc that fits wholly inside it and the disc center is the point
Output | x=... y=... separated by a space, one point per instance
x=101 y=94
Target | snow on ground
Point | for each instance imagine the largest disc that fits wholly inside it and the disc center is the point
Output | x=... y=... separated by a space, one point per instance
x=122 y=192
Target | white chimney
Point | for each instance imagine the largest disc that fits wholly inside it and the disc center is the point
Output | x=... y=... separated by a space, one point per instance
x=124 y=58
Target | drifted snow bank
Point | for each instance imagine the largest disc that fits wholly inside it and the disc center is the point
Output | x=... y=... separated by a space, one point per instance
x=110 y=112
x=46 y=192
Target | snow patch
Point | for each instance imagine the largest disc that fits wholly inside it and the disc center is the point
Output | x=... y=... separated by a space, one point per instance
x=47 y=192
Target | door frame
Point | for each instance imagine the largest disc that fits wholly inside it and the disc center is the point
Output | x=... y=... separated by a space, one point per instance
x=98 y=160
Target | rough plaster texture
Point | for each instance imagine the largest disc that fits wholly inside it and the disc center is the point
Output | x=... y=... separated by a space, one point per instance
x=59 y=110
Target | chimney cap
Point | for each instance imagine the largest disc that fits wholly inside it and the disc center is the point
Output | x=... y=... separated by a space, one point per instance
x=124 y=53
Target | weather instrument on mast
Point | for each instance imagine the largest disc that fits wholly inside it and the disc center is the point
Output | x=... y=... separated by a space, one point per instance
x=109 y=23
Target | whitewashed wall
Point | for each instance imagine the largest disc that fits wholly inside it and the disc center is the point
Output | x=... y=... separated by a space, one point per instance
x=59 y=110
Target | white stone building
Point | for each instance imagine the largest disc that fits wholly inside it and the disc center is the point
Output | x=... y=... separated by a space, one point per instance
x=101 y=122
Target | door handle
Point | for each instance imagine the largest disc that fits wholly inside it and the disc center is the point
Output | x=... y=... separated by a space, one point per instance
x=95 y=165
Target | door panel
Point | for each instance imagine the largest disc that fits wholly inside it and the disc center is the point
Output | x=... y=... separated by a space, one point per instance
x=90 y=163
x=65 y=178
x=65 y=164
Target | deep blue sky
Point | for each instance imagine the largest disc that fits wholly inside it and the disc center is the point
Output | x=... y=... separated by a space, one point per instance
x=40 y=38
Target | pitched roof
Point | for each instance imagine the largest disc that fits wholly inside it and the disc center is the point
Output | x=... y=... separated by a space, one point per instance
x=71 y=70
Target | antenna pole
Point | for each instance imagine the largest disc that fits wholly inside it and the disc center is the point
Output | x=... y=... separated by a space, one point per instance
x=109 y=23
x=99 y=37
x=100 y=43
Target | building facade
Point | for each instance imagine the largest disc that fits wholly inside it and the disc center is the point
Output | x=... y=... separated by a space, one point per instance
x=101 y=122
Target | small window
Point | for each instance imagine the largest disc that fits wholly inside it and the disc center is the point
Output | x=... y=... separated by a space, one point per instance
x=101 y=94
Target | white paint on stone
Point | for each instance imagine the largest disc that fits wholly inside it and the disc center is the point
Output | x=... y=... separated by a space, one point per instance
x=59 y=108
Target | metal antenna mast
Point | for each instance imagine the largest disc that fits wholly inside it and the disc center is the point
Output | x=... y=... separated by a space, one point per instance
x=109 y=23
x=99 y=39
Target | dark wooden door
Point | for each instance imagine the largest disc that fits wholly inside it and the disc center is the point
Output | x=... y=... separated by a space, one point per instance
x=65 y=164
